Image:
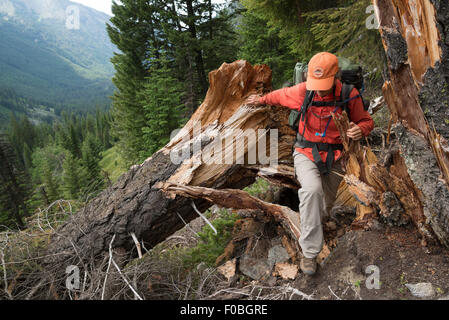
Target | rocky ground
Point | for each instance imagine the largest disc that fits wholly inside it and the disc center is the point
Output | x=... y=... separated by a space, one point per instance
x=399 y=258
x=406 y=269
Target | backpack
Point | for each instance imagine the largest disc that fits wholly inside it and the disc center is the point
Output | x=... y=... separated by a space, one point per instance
x=351 y=76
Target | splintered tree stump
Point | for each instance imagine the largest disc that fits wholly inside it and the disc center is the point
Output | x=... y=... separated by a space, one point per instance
x=411 y=182
x=382 y=189
x=416 y=41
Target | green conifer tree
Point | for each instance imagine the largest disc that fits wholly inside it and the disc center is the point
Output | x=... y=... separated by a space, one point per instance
x=71 y=177
x=132 y=30
x=91 y=172
x=14 y=185
x=27 y=157
x=50 y=182
x=161 y=100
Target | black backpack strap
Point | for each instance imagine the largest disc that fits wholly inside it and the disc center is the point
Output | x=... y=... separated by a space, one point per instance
x=324 y=167
x=305 y=106
x=326 y=103
x=345 y=94
x=307 y=102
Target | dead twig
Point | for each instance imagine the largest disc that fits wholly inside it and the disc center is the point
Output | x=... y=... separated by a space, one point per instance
x=333 y=293
x=187 y=225
x=120 y=271
x=109 y=265
x=136 y=242
x=203 y=217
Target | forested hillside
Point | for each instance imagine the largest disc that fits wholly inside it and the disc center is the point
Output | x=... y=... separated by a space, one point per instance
x=45 y=58
x=11 y=103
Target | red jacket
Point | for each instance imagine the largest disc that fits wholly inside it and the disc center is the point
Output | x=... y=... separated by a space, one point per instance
x=293 y=98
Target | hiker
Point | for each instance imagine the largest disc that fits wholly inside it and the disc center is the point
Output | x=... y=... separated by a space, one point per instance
x=318 y=149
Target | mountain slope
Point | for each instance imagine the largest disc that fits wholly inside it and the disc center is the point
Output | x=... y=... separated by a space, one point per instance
x=43 y=59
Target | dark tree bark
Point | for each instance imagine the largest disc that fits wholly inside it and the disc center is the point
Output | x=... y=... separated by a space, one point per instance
x=416 y=40
x=210 y=9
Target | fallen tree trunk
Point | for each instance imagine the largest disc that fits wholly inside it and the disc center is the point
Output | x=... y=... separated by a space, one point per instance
x=133 y=205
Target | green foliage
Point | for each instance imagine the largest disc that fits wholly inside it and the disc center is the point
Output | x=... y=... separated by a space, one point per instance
x=288 y=17
x=47 y=158
x=212 y=245
x=258 y=188
x=91 y=156
x=161 y=99
x=51 y=182
x=261 y=44
x=132 y=30
x=71 y=177
x=307 y=27
x=14 y=186
x=53 y=171
x=343 y=31
x=172 y=43
x=27 y=160
x=402 y=279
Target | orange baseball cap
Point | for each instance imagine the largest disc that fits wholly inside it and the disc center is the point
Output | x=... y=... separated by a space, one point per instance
x=323 y=68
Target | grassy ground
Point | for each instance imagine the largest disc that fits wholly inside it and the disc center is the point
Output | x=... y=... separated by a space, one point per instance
x=113 y=164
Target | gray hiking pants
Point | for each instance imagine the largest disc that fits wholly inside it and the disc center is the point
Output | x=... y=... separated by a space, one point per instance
x=316 y=196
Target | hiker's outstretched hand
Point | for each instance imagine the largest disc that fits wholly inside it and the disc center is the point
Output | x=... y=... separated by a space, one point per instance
x=354 y=132
x=253 y=100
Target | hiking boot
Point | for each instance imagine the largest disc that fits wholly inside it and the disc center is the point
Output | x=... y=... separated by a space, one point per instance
x=308 y=266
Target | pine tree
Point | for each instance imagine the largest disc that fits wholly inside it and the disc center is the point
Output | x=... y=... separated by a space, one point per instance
x=343 y=31
x=74 y=144
x=71 y=177
x=91 y=151
x=27 y=157
x=161 y=100
x=193 y=36
x=50 y=182
x=14 y=183
x=260 y=44
x=311 y=26
x=133 y=31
